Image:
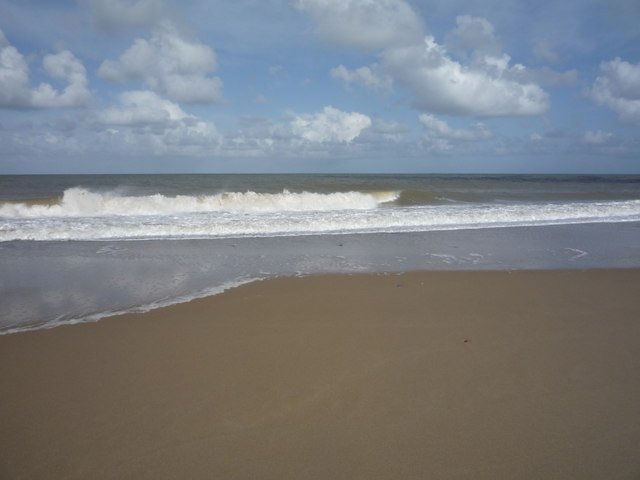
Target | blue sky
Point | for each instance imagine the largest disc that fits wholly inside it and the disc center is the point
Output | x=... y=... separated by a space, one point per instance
x=144 y=86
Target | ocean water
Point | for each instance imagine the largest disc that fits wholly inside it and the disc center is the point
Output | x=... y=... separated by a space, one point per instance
x=80 y=247
x=139 y=207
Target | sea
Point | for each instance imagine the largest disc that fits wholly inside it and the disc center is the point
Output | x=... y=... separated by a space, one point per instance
x=76 y=248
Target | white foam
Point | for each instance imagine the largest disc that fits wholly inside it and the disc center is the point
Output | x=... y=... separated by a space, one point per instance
x=106 y=217
x=79 y=202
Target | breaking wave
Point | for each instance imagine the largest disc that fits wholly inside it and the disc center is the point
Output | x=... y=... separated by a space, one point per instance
x=79 y=202
x=81 y=214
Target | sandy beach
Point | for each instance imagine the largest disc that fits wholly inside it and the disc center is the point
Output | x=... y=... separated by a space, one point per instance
x=438 y=375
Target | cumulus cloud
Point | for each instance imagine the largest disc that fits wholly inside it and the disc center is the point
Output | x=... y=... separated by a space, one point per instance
x=15 y=88
x=383 y=134
x=440 y=133
x=442 y=85
x=112 y=14
x=366 y=24
x=474 y=39
x=330 y=125
x=369 y=77
x=481 y=83
x=39 y=142
x=14 y=76
x=144 y=121
x=141 y=108
x=169 y=64
x=618 y=88
x=328 y=133
x=64 y=66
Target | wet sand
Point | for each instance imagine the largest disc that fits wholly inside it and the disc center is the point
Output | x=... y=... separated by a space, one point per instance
x=438 y=375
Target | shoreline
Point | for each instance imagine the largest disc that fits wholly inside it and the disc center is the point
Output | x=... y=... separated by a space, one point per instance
x=224 y=289
x=441 y=374
x=49 y=282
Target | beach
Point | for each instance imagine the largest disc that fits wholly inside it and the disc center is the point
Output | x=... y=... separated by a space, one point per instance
x=76 y=248
x=319 y=240
x=443 y=375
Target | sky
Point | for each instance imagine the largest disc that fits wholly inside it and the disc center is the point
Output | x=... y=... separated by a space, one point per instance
x=261 y=86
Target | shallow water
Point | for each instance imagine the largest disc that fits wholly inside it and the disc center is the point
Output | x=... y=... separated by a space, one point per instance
x=44 y=284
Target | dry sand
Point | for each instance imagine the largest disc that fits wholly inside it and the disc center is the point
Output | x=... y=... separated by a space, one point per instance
x=436 y=375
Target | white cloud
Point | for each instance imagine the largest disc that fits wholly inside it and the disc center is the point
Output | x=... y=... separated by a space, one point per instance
x=367 y=24
x=64 y=66
x=14 y=76
x=474 y=38
x=16 y=91
x=369 y=77
x=259 y=136
x=169 y=64
x=442 y=85
x=436 y=128
x=441 y=137
x=38 y=142
x=326 y=134
x=330 y=125
x=383 y=134
x=144 y=121
x=484 y=85
x=141 y=108
x=110 y=14
x=618 y=88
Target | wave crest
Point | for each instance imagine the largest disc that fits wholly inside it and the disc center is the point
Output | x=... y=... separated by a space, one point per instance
x=80 y=202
